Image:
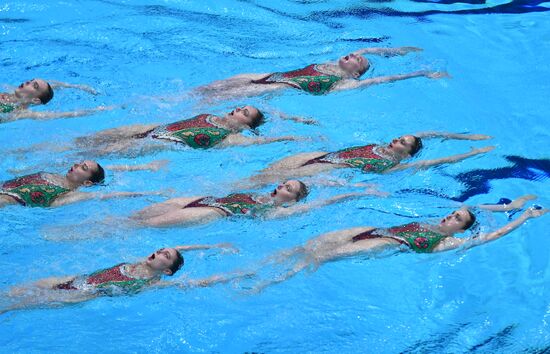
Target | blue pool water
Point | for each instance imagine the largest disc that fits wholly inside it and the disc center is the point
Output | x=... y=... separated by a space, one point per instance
x=489 y=299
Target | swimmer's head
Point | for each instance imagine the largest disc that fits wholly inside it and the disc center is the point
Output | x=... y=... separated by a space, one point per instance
x=290 y=191
x=406 y=145
x=35 y=91
x=247 y=115
x=86 y=173
x=459 y=221
x=354 y=65
x=166 y=260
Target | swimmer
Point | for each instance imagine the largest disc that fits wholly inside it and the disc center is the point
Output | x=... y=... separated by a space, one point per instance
x=203 y=131
x=316 y=79
x=198 y=210
x=15 y=106
x=44 y=189
x=368 y=158
x=415 y=237
x=121 y=279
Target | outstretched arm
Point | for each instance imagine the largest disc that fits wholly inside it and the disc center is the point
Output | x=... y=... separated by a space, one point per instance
x=297 y=119
x=85 y=88
x=389 y=52
x=302 y=208
x=224 y=246
x=434 y=162
x=28 y=114
x=515 y=204
x=151 y=166
x=239 y=139
x=352 y=84
x=477 y=240
x=453 y=136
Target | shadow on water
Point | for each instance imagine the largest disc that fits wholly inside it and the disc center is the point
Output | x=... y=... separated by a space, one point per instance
x=479 y=181
x=445 y=341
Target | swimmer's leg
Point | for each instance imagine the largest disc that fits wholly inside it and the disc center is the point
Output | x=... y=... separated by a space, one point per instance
x=184 y=217
x=158 y=209
x=114 y=135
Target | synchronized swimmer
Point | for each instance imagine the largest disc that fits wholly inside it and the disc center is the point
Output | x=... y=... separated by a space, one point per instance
x=316 y=79
x=121 y=279
x=281 y=202
x=44 y=189
x=15 y=106
x=376 y=241
x=203 y=131
x=371 y=158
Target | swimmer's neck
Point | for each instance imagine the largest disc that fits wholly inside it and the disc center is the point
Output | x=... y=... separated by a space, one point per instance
x=334 y=69
x=230 y=123
x=384 y=150
x=142 y=270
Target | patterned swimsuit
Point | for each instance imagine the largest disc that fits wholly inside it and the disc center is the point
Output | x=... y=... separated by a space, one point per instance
x=199 y=132
x=233 y=204
x=417 y=237
x=363 y=157
x=34 y=190
x=109 y=281
x=309 y=79
x=5 y=105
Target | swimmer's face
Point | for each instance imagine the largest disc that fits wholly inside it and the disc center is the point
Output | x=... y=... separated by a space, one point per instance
x=31 y=90
x=455 y=222
x=245 y=115
x=81 y=173
x=161 y=260
x=354 y=64
x=402 y=145
x=286 y=192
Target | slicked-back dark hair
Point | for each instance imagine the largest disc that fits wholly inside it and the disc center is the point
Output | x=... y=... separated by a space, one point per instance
x=47 y=95
x=416 y=146
x=302 y=192
x=471 y=221
x=259 y=120
x=177 y=264
x=98 y=176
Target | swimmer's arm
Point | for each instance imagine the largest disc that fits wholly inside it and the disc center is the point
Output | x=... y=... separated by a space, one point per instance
x=515 y=204
x=239 y=139
x=225 y=246
x=443 y=160
x=151 y=166
x=297 y=119
x=302 y=208
x=352 y=84
x=388 y=51
x=85 y=88
x=453 y=136
x=506 y=229
x=28 y=114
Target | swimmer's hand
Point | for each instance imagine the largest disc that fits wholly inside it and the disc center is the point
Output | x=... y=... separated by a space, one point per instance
x=477 y=136
x=227 y=247
x=534 y=213
x=157 y=165
x=404 y=50
x=436 y=74
x=482 y=150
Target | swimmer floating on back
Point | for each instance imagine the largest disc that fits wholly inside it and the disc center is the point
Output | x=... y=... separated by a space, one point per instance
x=44 y=189
x=198 y=210
x=200 y=132
x=316 y=79
x=416 y=237
x=121 y=279
x=15 y=106
x=368 y=158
